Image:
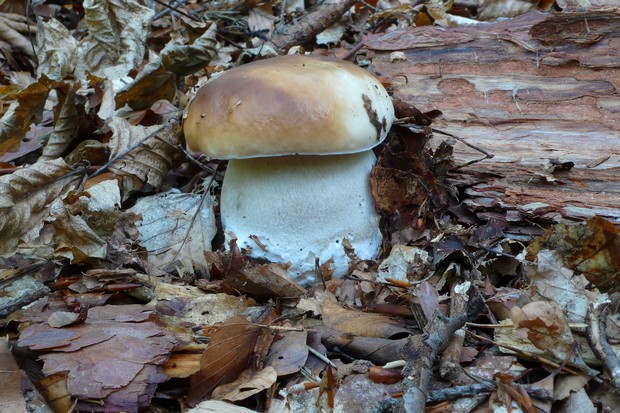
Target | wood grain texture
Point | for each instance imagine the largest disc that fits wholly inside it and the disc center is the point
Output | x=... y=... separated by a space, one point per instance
x=530 y=90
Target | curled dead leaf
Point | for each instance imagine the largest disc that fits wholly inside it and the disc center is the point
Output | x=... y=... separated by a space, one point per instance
x=25 y=110
x=25 y=197
x=177 y=227
x=116 y=41
x=361 y=323
x=247 y=384
x=592 y=247
x=142 y=154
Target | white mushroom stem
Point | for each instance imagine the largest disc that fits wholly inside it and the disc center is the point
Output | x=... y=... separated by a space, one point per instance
x=297 y=208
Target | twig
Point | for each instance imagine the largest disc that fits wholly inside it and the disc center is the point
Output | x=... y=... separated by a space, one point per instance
x=511 y=325
x=450 y=364
x=282 y=22
x=474 y=147
x=322 y=357
x=525 y=354
x=597 y=337
x=30 y=36
x=457 y=392
x=420 y=353
x=174 y=7
x=351 y=53
x=310 y=25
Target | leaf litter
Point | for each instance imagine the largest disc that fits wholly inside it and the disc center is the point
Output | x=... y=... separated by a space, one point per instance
x=113 y=270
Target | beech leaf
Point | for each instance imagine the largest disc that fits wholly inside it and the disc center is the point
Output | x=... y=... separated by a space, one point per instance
x=65 y=127
x=177 y=226
x=228 y=355
x=142 y=154
x=24 y=110
x=360 y=323
x=117 y=37
x=248 y=384
x=56 y=49
x=25 y=197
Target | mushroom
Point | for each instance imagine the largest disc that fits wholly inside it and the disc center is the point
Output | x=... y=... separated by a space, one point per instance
x=298 y=132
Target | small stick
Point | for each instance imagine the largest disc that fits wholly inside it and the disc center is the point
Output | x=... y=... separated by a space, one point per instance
x=322 y=357
x=488 y=155
x=597 y=337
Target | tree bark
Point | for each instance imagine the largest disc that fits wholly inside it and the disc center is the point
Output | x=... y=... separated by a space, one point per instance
x=539 y=92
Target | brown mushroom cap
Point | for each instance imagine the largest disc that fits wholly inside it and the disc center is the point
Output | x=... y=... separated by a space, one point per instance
x=289 y=105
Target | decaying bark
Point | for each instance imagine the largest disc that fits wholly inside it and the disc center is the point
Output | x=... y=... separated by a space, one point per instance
x=539 y=92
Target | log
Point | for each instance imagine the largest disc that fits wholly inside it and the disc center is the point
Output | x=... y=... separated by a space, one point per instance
x=539 y=92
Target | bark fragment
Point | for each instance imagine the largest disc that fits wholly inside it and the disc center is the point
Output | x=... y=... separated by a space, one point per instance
x=536 y=91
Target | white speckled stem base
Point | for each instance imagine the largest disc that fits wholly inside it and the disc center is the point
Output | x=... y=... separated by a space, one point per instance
x=302 y=207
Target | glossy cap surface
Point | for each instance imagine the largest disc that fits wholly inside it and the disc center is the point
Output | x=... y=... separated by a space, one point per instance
x=289 y=105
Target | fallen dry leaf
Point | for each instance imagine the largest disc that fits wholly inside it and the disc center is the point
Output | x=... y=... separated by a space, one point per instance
x=592 y=247
x=142 y=154
x=219 y=406
x=75 y=238
x=56 y=49
x=27 y=108
x=355 y=393
x=361 y=323
x=404 y=264
x=62 y=318
x=579 y=401
x=55 y=386
x=565 y=385
x=157 y=82
x=10 y=391
x=187 y=59
x=152 y=86
x=177 y=227
x=116 y=41
x=192 y=306
x=15 y=30
x=66 y=125
x=552 y=280
x=289 y=353
x=229 y=353
x=396 y=190
x=544 y=324
x=488 y=365
x=494 y=9
x=181 y=365
x=257 y=280
x=375 y=349
x=25 y=196
x=247 y=384
x=99 y=204
x=508 y=338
